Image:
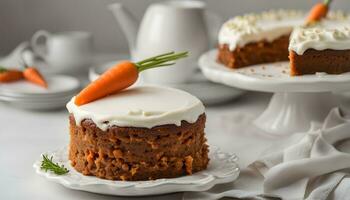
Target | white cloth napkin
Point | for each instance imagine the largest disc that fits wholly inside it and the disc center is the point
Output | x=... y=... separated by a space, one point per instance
x=314 y=165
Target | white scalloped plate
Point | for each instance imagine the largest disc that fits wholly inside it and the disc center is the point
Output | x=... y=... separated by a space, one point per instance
x=222 y=169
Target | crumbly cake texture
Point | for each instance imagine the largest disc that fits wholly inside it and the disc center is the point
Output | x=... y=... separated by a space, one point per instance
x=132 y=154
x=256 y=38
x=313 y=61
x=254 y=53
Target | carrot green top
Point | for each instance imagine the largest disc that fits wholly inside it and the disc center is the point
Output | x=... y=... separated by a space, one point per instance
x=2 y=69
x=159 y=60
x=328 y=2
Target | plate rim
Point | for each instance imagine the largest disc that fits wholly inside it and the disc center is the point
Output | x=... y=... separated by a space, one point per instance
x=143 y=188
x=72 y=79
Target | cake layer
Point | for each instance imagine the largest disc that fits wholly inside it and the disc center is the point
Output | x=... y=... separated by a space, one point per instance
x=129 y=153
x=144 y=106
x=251 y=28
x=255 y=53
x=313 y=61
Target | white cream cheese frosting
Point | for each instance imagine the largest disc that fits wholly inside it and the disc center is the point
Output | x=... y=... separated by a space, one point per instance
x=268 y=26
x=142 y=106
x=331 y=33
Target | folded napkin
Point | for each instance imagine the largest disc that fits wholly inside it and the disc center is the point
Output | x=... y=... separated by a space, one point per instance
x=312 y=166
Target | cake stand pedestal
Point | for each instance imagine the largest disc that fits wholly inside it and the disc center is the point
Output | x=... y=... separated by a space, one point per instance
x=293 y=112
x=297 y=101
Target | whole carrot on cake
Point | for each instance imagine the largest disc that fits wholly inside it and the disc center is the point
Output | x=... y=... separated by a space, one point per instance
x=318 y=12
x=122 y=76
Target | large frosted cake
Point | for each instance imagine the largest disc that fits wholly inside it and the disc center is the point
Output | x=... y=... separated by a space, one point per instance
x=280 y=35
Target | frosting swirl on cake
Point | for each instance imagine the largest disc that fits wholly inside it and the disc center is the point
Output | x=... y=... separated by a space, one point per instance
x=268 y=25
x=143 y=106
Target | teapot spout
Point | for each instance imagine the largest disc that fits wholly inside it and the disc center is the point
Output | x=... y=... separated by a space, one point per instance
x=128 y=24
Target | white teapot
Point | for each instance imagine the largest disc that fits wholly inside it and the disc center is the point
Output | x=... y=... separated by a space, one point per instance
x=167 y=26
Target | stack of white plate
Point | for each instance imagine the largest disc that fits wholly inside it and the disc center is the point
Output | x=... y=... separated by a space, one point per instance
x=29 y=96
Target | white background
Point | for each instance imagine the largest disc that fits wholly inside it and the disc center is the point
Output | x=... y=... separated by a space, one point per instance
x=19 y=19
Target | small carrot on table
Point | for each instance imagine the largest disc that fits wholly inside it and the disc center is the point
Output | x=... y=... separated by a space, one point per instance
x=318 y=12
x=10 y=75
x=31 y=74
x=122 y=76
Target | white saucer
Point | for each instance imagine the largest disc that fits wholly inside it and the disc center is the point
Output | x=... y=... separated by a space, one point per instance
x=57 y=85
x=208 y=92
x=26 y=95
x=222 y=169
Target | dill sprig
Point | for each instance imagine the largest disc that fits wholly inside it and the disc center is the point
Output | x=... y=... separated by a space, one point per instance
x=48 y=165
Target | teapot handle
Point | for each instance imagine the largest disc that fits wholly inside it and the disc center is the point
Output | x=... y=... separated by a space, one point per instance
x=37 y=48
x=213 y=23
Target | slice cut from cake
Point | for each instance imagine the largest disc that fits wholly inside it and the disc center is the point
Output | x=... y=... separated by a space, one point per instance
x=141 y=133
x=257 y=38
x=323 y=48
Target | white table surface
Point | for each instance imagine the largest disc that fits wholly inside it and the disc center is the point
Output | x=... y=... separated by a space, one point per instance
x=24 y=135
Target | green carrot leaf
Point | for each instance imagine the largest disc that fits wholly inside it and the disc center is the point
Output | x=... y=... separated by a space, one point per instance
x=2 y=69
x=160 y=60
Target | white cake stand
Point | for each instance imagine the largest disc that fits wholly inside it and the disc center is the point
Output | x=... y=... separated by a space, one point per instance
x=296 y=101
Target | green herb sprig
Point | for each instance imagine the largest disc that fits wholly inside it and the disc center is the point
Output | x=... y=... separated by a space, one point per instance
x=48 y=165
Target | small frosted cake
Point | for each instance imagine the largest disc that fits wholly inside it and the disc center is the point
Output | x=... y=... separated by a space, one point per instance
x=257 y=38
x=141 y=133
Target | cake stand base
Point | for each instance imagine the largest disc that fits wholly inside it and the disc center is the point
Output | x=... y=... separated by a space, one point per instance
x=292 y=112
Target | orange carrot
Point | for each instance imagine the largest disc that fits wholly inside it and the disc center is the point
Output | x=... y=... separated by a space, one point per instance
x=122 y=76
x=117 y=78
x=7 y=75
x=33 y=75
x=318 y=12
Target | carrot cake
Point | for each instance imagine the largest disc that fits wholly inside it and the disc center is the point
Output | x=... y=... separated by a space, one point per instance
x=141 y=133
x=281 y=36
x=257 y=38
x=324 y=47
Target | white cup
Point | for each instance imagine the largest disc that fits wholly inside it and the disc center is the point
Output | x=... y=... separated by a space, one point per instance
x=64 y=52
